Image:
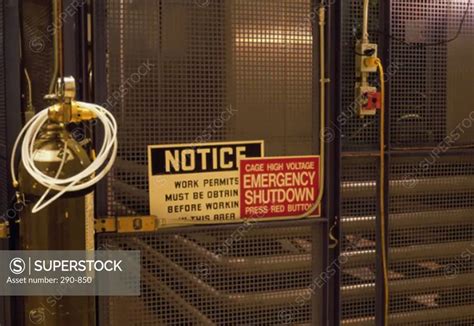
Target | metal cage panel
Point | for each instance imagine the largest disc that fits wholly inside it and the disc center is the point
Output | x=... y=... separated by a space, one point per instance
x=253 y=273
x=3 y=118
x=356 y=134
x=199 y=71
x=38 y=48
x=429 y=194
x=431 y=239
x=358 y=244
x=429 y=73
x=192 y=71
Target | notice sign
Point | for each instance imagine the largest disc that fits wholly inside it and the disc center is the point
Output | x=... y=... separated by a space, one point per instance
x=279 y=187
x=197 y=183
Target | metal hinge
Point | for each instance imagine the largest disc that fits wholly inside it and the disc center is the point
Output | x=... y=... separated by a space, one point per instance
x=4 y=230
x=126 y=224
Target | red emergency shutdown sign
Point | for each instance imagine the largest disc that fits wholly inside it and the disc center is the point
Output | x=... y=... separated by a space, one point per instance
x=279 y=187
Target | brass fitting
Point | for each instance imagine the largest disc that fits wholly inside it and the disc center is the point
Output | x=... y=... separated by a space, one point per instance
x=322 y=15
x=69 y=113
x=67 y=110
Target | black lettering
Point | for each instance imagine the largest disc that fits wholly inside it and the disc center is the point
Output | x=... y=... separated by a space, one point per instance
x=201 y=158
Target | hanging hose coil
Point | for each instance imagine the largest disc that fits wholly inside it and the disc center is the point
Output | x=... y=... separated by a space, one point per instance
x=85 y=179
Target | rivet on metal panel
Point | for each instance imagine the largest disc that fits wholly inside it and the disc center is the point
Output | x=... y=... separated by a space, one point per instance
x=137 y=224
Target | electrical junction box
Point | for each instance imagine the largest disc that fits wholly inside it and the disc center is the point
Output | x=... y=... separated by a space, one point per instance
x=364 y=51
x=367 y=99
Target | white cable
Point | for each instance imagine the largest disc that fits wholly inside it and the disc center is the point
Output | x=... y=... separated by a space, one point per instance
x=38 y=206
x=84 y=179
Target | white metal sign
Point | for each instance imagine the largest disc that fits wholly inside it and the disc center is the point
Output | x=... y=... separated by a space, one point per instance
x=197 y=183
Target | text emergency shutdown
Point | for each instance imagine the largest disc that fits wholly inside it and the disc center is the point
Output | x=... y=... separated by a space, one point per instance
x=281 y=186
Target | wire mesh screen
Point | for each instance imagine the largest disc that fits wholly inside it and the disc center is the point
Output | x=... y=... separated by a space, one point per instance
x=3 y=119
x=272 y=72
x=359 y=175
x=432 y=73
x=4 y=200
x=444 y=322
x=356 y=133
x=198 y=71
x=253 y=274
x=38 y=48
x=432 y=239
x=358 y=192
x=166 y=84
x=430 y=196
x=192 y=71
